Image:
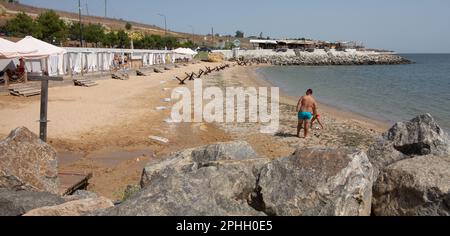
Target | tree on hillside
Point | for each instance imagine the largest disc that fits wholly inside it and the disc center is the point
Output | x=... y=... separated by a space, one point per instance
x=128 y=26
x=51 y=27
x=188 y=44
x=170 y=42
x=239 y=34
x=74 y=31
x=94 y=33
x=111 y=39
x=21 y=26
x=158 y=41
x=122 y=39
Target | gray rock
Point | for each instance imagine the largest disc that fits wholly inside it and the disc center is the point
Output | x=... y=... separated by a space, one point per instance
x=80 y=195
x=414 y=187
x=317 y=182
x=420 y=136
x=85 y=194
x=16 y=203
x=382 y=154
x=27 y=163
x=73 y=208
x=215 y=180
x=198 y=157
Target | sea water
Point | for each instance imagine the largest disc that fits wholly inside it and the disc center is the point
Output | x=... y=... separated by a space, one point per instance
x=388 y=93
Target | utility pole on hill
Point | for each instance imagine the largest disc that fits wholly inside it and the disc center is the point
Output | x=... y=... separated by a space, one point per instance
x=106 y=8
x=87 y=8
x=212 y=35
x=81 y=26
x=165 y=23
x=193 y=35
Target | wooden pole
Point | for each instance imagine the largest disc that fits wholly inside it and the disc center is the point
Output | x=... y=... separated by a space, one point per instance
x=44 y=104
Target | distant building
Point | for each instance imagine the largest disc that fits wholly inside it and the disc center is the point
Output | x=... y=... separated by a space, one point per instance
x=303 y=44
x=264 y=44
x=296 y=44
x=285 y=44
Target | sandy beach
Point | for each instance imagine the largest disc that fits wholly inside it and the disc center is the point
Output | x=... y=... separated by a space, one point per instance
x=105 y=129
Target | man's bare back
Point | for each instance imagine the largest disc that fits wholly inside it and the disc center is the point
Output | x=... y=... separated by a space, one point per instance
x=307 y=104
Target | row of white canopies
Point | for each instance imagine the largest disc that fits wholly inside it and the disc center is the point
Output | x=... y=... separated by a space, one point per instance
x=40 y=56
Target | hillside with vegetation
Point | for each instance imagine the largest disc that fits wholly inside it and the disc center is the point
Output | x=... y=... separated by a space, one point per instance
x=63 y=28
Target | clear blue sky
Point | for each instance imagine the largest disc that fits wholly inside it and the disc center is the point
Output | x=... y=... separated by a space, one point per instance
x=401 y=25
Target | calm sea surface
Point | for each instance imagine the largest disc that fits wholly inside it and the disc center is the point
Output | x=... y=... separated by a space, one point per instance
x=387 y=93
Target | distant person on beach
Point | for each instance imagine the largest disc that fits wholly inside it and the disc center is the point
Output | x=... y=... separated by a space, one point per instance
x=316 y=117
x=21 y=67
x=306 y=107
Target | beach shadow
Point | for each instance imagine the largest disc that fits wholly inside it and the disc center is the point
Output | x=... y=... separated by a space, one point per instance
x=285 y=135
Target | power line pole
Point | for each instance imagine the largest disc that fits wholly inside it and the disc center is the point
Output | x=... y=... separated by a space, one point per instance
x=212 y=34
x=106 y=8
x=193 y=35
x=165 y=23
x=87 y=8
x=81 y=26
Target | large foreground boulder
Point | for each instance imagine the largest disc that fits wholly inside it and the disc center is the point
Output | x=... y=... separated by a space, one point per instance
x=414 y=187
x=418 y=137
x=73 y=208
x=218 y=179
x=317 y=182
x=16 y=203
x=27 y=163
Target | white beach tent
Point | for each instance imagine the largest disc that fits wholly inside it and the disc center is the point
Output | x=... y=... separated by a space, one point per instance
x=185 y=51
x=10 y=50
x=52 y=55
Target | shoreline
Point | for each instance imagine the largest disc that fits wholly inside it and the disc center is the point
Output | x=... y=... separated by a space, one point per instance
x=342 y=113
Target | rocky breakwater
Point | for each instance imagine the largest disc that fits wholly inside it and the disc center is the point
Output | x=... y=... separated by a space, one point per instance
x=326 y=59
x=231 y=179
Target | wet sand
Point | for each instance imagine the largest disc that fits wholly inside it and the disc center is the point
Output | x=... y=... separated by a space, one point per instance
x=105 y=129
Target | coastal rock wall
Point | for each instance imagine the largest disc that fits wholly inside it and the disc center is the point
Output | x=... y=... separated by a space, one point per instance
x=330 y=59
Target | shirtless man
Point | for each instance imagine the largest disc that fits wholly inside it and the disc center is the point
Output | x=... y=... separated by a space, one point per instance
x=306 y=107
